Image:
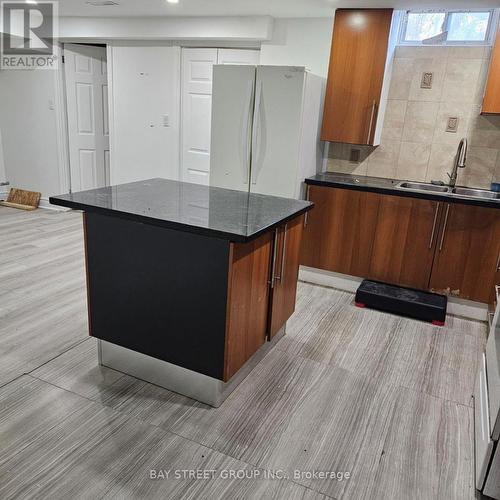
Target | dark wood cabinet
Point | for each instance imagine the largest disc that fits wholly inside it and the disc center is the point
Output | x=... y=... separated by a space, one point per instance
x=247 y=302
x=262 y=288
x=491 y=101
x=340 y=230
x=468 y=250
x=447 y=247
x=405 y=241
x=285 y=273
x=356 y=75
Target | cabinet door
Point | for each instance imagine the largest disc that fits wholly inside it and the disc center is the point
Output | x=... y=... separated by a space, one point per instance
x=491 y=102
x=340 y=230
x=285 y=274
x=356 y=73
x=247 y=301
x=405 y=240
x=468 y=250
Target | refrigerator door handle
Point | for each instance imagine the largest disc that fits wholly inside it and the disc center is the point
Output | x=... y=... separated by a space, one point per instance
x=255 y=132
x=247 y=135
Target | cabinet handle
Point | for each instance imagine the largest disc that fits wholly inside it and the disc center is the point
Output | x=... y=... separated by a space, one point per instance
x=371 y=122
x=273 y=266
x=281 y=277
x=434 y=224
x=444 y=226
x=307 y=199
x=498 y=262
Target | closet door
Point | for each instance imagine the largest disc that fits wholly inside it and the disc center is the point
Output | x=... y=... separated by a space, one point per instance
x=197 y=79
x=239 y=56
x=196 y=113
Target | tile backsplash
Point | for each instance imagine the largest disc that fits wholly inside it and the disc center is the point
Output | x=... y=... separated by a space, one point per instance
x=415 y=142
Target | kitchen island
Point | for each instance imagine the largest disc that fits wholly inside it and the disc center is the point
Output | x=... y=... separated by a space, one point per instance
x=188 y=286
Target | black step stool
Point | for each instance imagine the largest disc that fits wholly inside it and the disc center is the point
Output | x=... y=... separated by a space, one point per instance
x=425 y=306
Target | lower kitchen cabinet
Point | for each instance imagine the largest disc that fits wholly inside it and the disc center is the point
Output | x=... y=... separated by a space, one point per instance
x=248 y=301
x=262 y=288
x=447 y=247
x=405 y=241
x=468 y=252
x=340 y=230
x=285 y=273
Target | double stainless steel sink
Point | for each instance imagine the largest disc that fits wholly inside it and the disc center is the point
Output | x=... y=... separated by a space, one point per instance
x=482 y=194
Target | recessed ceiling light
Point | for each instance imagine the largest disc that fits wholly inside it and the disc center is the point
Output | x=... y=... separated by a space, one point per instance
x=31 y=1
x=172 y=1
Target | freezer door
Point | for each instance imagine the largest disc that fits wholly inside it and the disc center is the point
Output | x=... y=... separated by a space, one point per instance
x=233 y=97
x=276 y=134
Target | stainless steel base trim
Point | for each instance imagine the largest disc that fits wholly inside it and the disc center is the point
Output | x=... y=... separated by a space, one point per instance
x=175 y=378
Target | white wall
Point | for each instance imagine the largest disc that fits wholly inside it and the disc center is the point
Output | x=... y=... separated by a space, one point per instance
x=28 y=128
x=300 y=42
x=240 y=28
x=3 y=176
x=145 y=86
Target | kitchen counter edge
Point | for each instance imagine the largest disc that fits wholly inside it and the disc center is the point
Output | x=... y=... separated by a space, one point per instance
x=387 y=186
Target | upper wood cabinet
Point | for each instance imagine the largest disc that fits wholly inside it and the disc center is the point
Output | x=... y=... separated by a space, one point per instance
x=362 y=50
x=491 y=102
x=468 y=252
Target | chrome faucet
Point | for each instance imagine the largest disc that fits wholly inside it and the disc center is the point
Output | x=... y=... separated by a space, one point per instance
x=460 y=160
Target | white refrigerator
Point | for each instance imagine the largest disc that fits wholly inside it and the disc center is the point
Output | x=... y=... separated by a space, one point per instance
x=265 y=134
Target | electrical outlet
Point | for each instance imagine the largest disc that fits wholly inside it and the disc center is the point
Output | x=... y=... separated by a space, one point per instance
x=354 y=155
x=452 y=125
x=426 y=82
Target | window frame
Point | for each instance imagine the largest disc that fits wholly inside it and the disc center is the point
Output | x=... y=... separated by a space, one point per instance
x=490 y=30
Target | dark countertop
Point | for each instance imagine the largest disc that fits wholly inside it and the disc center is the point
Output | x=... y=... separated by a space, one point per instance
x=222 y=213
x=389 y=186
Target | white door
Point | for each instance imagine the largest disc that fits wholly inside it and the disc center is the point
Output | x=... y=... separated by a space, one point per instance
x=85 y=70
x=238 y=56
x=197 y=106
x=232 y=113
x=196 y=112
x=279 y=93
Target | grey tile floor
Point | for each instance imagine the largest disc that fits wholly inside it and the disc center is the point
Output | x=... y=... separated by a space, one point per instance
x=383 y=399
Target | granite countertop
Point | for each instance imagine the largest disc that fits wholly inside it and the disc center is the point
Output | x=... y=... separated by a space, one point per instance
x=233 y=215
x=390 y=186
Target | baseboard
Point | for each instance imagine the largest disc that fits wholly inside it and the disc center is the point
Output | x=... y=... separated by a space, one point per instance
x=45 y=204
x=329 y=278
x=458 y=307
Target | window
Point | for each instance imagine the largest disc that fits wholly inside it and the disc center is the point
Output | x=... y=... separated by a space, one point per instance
x=448 y=27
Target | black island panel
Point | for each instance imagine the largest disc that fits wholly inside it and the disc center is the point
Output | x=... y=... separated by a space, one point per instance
x=158 y=291
x=233 y=215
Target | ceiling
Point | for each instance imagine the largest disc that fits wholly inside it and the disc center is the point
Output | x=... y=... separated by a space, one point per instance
x=275 y=8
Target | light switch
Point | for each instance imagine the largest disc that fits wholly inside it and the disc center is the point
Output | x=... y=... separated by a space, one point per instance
x=166 y=120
